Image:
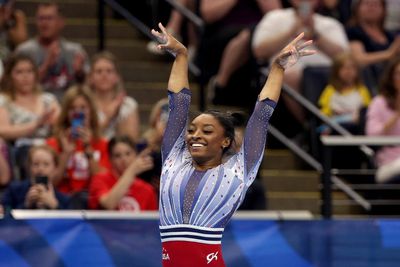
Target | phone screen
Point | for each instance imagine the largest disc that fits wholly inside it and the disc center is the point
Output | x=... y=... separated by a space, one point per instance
x=77 y=121
x=44 y=180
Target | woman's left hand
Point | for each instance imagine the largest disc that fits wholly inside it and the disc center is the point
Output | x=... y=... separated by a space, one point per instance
x=47 y=198
x=168 y=42
x=291 y=53
x=85 y=134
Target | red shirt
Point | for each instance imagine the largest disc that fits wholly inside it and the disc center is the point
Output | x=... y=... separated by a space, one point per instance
x=140 y=196
x=77 y=175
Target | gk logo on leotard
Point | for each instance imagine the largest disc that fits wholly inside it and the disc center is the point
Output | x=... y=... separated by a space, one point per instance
x=212 y=256
x=165 y=255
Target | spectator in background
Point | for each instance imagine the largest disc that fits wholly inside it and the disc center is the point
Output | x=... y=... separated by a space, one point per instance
x=224 y=44
x=174 y=26
x=61 y=62
x=371 y=45
x=383 y=119
x=118 y=113
x=27 y=114
x=5 y=171
x=271 y=35
x=120 y=188
x=345 y=96
x=337 y=9
x=77 y=139
x=36 y=191
x=152 y=139
x=392 y=21
x=13 y=29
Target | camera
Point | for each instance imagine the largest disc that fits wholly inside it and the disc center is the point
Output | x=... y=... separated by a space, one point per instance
x=41 y=179
x=78 y=120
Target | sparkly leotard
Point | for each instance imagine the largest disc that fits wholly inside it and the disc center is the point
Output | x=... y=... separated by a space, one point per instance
x=196 y=205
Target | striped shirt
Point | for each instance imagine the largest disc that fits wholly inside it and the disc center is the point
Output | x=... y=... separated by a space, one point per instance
x=196 y=205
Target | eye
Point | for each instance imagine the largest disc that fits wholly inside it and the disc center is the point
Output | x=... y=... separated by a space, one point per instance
x=190 y=130
x=207 y=132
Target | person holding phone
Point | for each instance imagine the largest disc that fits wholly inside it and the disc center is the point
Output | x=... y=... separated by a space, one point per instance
x=271 y=34
x=83 y=151
x=37 y=191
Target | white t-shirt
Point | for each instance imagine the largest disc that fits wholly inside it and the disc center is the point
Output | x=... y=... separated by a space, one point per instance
x=282 y=20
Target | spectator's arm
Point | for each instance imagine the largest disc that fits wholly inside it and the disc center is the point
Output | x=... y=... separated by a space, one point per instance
x=130 y=125
x=365 y=58
x=19 y=32
x=214 y=10
x=12 y=132
x=5 y=174
x=142 y=163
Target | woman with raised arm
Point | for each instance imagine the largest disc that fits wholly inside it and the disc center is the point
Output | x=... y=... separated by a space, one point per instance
x=198 y=191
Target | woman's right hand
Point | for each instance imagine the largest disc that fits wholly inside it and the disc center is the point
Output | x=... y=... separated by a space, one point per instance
x=168 y=42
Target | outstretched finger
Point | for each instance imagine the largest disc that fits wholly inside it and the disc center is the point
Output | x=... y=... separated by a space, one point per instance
x=162 y=28
x=307 y=52
x=304 y=45
x=298 y=38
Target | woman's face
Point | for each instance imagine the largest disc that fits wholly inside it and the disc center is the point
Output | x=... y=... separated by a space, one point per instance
x=79 y=104
x=104 y=76
x=396 y=78
x=23 y=77
x=206 y=139
x=122 y=155
x=42 y=163
x=371 y=11
x=348 y=72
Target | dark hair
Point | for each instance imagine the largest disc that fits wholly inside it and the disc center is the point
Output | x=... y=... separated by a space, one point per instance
x=355 y=20
x=386 y=88
x=6 y=83
x=226 y=120
x=239 y=119
x=120 y=139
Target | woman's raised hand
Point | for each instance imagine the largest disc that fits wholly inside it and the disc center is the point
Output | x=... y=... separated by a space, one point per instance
x=168 y=42
x=291 y=53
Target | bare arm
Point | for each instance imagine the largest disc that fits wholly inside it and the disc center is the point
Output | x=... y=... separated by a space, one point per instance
x=366 y=58
x=5 y=174
x=130 y=126
x=214 y=10
x=12 y=132
x=142 y=163
x=19 y=32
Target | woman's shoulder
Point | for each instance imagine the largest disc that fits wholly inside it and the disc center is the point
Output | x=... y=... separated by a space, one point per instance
x=47 y=97
x=4 y=99
x=129 y=104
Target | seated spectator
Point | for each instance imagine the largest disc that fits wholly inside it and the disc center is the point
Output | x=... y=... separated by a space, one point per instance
x=278 y=26
x=13 y=29
x=152 y=139
x=27 y=114
x=121 y=188
x=383 y=119
x=118 y=113
x=5 y=172
x=337 y=9
x=175 y=25
x=61 y=62
x=223 y=48
x=371 y=45
x=77 y=139
x=345 y=96
x=37 y=191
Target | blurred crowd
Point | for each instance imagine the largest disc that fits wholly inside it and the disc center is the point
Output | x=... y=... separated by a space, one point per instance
x=70 y=135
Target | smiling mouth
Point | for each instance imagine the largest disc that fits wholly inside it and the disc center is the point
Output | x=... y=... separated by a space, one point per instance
x=196 y=145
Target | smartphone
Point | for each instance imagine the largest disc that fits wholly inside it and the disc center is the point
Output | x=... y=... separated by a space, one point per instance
x=305 y=9
x=41 y=179
x=78 y=120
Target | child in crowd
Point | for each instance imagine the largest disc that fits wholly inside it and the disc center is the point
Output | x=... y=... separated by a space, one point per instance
x=36 y=192
x=120 y=188
x=83 y=152
x=118 y=113
x=345 y=95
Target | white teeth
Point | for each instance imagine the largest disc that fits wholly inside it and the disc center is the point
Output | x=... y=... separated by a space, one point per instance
x=197 y=145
